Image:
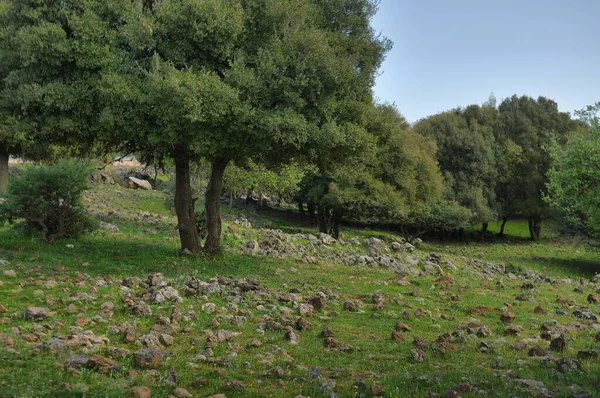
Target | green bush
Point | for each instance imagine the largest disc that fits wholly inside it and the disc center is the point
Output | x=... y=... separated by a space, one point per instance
x=48 y=199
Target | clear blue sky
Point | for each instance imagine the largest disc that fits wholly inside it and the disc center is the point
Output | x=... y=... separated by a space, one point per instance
x=450 y=53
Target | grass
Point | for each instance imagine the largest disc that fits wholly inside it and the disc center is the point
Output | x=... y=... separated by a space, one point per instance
x=146 y=243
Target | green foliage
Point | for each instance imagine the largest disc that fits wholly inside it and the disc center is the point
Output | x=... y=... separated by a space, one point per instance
x=48 y=198
x=466 y=157
x=574 y=180
x=530 y=130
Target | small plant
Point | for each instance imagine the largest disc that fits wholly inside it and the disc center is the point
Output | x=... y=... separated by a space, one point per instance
x=48 y=198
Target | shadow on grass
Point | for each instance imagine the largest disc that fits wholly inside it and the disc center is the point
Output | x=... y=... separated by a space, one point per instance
x=99 y=255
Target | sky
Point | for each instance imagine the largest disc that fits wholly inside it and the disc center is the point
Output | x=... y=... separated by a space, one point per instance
x=450 y=53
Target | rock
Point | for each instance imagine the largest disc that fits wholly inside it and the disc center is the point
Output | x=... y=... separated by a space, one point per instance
x=584 y=313
x=109 y=227
x=396 y=336
x=537 y=351
x=55 y=346
x=76 y=361
x=377 y=390
x=137 y=183
x=148 y=358
x=593 y=298
x=375 y=246
x=181 y=392
x=234 y=385
x=597 y=336
x=507 y=317
x=291 y=336
x=252 y=248
x=317 y=302
x=166 y=340
x=226 y=335
x=418 y=355
x=103 y=364
x=350 y=306
x=305 y=309
x=587 y=354
x=9 y=273
x=209 y=308
x=397 y=247
x=141 y=392
x=36 y=314
x=118 y=352
x=3 y=309
x=330 y=342
x=558 y=344
x=277 y=371
x=302 y=324
x=567 y=364
x=200 y=382
x=539 y=310
x=7 y=341
x=143 y=309
x=513 y=330
x=326 y=332
x=326 y=239
x=402 y=327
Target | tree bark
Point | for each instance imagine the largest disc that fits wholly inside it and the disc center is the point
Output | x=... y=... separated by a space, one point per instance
x=301 y=209
x=184 y=203
x=213 y=206
x=3 y=170
x=322 y=219
x=311 y=212
x=484 y=228
x=535 y=228
x=501 y=233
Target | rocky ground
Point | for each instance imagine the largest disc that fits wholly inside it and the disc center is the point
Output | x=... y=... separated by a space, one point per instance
x=284 y=314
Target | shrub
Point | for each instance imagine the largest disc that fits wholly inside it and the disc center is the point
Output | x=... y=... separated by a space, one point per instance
x=48 y=198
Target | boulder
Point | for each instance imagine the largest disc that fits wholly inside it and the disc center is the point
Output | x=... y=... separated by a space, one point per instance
x=136 y=183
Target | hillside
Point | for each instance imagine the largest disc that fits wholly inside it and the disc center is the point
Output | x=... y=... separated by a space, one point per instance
x=284 y=311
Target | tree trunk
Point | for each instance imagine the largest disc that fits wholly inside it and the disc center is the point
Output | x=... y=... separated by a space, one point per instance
x=230 y=199
x=213 y=206
x=484 y=228
x=3 y=171
x=184 y=203
x=301 y=209
x=501 y=233
x=311 y=212
x=335 y=224
x=322 y=219
x=535 y=228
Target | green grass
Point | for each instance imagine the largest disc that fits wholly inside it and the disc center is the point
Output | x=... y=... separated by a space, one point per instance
x=143 y=246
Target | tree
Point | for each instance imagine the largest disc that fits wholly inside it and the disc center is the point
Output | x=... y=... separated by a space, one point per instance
x=467 y=160
x=222 y=80
x=574 y=180
x=390 y=179
x=529 y=130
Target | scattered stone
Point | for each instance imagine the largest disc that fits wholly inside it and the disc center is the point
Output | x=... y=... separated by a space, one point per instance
x=539 y=310
x=9 y=273
x=181 y=392
x=507 y=317
x=418 y=355
x=558 y=344
x=148 y=358
x=396 y=336
x=302 y=324
x=138 y=183
x=76 y=361
x=584 y=313
x=330 y=342
x=56 y=346
x=118 y=352
x=587 y=354
x=143 y=309
x=537 y=351
x=234 y=385
x=326 y=332
x=350 y=306
x=402 y=327
x=200 y=382
x=141 y=392
x=593 y=298
x=567 y=364
x=290 y=335
x=375 y=246
x=103 y=364
x=166 y=340
x=277 y=371
x=513 y=330
x=36 y=314
x=377 y=390
x=305 y=309
x=317 y=302
x=31 y=338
